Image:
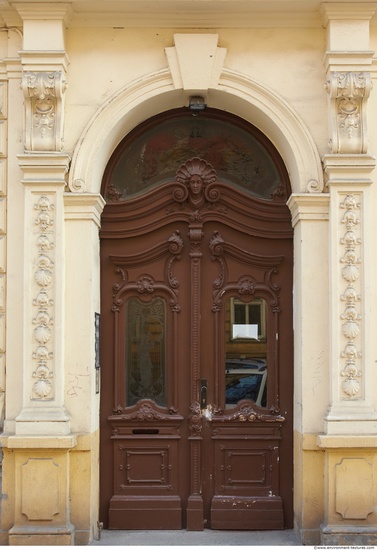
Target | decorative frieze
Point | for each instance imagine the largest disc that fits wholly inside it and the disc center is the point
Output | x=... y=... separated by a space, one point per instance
x=351 y=373
x=42 y=355
x=44 y=94
x=348 y=93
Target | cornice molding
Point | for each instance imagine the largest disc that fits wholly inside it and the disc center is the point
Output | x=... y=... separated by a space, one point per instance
x=206 y=14
x=342 y=11
x=36 y=11
x=309 y=206
x=348 y=60
x=49 y=60
x=349 y=169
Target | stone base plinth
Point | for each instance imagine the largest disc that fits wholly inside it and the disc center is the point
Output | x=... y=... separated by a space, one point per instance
x=41 y=536
x=341 y=535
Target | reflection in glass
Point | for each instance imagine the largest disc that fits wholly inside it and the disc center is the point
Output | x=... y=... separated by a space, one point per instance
x=238 y=157
x=245 y=351
x=145 y=351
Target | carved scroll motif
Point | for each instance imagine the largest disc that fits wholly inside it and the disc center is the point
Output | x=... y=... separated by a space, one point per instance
x=145 y=285
x=147 y=288
x=351 y=317
x=348 y=92
x=146 y=410
x=247 y=412
x=246 y=286
x=44 y=94
x=43 y=302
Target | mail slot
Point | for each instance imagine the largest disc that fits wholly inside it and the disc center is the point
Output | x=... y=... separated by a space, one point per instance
x=145 y=431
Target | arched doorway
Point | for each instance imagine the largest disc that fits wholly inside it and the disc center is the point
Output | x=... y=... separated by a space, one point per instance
x=196 y=338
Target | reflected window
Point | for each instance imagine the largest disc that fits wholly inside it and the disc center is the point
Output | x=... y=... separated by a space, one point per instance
x=245 y=352
x=248 y=320
x=146 y=351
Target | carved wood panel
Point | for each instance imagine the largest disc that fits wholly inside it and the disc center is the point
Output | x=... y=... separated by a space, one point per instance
x=196 y=243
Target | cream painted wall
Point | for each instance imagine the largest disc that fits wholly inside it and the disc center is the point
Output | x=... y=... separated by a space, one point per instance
x=288 y=62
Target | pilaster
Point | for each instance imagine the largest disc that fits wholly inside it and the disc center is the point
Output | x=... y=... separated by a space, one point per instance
x=310 y=220
x=351 y=419
x=44 y=169
x=349 y=171
x=38 y=452
x=43 y=409
x=351 y=407
x=82 y=221
x=4 y=90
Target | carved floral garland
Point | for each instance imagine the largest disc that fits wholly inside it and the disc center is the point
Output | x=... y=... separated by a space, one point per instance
x=351 y=317
x=43 y=276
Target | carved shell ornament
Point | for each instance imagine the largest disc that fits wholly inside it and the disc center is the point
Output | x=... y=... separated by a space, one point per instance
x=42 y=334
x=350 y=329
x=43 y=277
x=196 y=175
x=43 y=386
x=351 y=386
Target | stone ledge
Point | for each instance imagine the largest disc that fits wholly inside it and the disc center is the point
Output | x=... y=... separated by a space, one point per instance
x=320 y=442
x=39 y=442
x=347 y=441
x=77 y=441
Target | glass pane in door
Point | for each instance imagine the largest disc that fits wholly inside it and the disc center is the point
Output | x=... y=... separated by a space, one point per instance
x=145 y=351
x=245 y=351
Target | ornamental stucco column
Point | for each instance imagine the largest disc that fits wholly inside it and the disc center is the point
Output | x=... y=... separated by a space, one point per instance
x=351 y=420
x=349 y=170
x=38 y=458
x=43 y=411
x=44 y=167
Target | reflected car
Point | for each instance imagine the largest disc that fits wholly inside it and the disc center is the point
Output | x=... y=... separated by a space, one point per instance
x=245 y=379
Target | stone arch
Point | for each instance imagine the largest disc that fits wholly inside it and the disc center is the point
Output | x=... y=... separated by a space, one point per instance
x=235 y=93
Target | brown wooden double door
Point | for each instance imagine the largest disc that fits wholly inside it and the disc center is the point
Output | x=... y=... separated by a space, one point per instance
x=196 y=355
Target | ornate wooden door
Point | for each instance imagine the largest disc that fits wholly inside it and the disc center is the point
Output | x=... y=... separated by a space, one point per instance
x=196 y=354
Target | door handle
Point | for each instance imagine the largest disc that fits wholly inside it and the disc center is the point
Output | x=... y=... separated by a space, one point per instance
x=203 y=394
